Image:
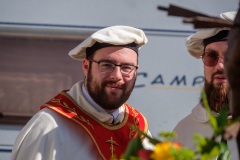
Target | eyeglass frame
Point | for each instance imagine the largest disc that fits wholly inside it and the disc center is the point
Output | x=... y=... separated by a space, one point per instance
x=134 y=69
x=216 y=59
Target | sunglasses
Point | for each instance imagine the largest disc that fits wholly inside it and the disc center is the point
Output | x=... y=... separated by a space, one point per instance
x=210 y=59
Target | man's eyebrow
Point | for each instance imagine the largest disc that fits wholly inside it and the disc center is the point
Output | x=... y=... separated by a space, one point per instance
x=116 y=62
x=210 y=50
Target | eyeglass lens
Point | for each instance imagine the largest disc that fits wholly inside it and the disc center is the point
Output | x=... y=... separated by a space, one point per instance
x=109 y=67
x=210 y=59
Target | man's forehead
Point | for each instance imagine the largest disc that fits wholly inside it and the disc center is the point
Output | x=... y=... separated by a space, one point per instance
x=116 y=53
x=217 y=46
x=218 y=43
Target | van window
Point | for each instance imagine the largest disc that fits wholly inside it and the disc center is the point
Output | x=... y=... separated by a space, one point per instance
x=33 y=70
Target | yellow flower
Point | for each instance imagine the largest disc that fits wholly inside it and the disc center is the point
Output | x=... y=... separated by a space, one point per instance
x=162 y=151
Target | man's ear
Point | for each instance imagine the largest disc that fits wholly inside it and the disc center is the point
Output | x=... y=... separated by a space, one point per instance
x=85 y=66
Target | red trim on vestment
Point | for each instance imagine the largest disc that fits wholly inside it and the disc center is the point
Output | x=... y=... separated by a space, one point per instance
x=109 y=140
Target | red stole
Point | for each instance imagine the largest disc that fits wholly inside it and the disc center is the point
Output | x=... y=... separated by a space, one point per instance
x=109 y=140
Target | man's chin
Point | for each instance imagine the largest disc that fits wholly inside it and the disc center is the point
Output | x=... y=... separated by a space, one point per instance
x=220 y=84
x=111 y=92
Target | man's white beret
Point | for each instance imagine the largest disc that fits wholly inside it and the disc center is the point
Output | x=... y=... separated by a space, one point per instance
x=194 y=42
x=115 y=35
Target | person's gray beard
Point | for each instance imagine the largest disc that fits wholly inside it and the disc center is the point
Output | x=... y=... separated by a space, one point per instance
x=217 y=96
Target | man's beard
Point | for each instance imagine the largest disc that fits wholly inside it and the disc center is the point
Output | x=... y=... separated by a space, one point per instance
x=101 y=97
x=217 y=96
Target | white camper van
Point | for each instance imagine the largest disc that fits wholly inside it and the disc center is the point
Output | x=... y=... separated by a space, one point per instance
x=35 y=37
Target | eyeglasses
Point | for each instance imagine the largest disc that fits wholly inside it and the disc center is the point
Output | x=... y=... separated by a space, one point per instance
x=210 y=59
x=108 y=67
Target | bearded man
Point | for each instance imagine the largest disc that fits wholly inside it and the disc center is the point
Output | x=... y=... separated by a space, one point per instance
x=91 y=120
x=210 y=45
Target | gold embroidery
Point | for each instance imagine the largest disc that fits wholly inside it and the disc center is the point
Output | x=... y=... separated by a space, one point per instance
x=131 y=133
x=58 y=101
x=136 y=121
x=110 y=127
x=112 y=142
x=85 y=120
x=63 y=104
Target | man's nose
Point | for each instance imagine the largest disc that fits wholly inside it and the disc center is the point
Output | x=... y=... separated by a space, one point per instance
x=116 y=73
x=220 y=63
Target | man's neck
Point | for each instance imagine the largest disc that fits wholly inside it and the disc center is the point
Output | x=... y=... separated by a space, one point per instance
x=114 y=113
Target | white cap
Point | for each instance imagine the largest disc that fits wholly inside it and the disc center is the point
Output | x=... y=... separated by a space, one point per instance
x=114 y=35
x=194 y=42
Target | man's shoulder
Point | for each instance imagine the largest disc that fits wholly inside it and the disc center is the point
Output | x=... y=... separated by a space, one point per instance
x=196 y=121
x=44 y=116
x=136 y=114
x=188 y=121
x=132 y=109
x=185 y=122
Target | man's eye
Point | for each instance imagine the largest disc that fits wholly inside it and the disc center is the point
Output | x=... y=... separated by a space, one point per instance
x=126 y=68
x=107 y=65
x=212 y=54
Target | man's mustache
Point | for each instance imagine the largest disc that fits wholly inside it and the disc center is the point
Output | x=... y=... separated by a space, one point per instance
x=215 y=73
x=115 y=83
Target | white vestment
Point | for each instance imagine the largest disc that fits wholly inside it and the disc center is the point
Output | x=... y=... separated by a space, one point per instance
x=197 y=122
x=50 y=136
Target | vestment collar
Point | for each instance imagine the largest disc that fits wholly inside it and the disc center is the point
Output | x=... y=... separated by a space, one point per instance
x=83 y=99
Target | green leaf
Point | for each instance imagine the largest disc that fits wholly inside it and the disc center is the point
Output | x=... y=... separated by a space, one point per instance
x=222 y=120
x=225 y=155
x=132 y=150
x=168 y=136
x=182 y=154
x=153 y=141
x=212 y=119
